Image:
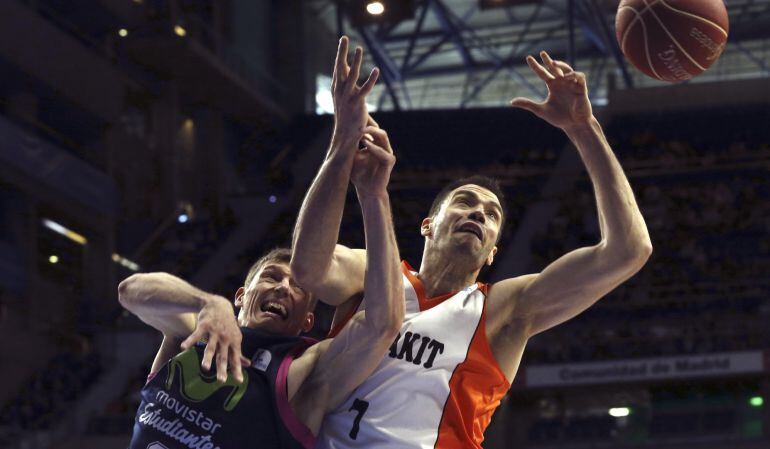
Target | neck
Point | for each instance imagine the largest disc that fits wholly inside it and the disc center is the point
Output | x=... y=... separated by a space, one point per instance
x=445 y=274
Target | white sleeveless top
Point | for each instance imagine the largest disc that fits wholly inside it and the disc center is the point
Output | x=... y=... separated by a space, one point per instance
x=436 y=387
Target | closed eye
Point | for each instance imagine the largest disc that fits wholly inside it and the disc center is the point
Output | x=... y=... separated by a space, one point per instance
x=296 y=286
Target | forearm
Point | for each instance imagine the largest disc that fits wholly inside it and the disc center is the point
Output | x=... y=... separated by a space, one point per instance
x=163 y=301
x=160 y=293
x=383 y=285
x=622 y=225
x=318 y=223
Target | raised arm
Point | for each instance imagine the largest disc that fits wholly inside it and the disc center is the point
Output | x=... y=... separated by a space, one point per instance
x=575 y=281
x=185 y=315
x=337 y=366
x=334 y=272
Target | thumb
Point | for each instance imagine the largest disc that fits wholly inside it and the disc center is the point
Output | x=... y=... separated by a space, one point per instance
x=526 y=103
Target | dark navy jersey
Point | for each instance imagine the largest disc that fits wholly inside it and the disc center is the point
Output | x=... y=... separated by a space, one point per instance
x=184 y=407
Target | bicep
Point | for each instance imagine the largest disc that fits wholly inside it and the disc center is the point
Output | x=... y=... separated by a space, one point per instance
x=567 y=287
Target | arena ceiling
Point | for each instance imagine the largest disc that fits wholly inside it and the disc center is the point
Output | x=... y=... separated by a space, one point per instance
x=453 y=53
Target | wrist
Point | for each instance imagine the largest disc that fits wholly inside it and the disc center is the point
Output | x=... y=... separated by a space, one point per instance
x=342 y=149
x=345 y=137
x=372 y=198
x=209 y=300
x=577 y=128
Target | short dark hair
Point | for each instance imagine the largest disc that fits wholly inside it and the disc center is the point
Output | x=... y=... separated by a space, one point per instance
x=486 y=182
x=276 y=255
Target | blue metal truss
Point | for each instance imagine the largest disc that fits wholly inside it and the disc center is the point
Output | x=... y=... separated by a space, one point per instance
x=577 y=31
x=451 y=30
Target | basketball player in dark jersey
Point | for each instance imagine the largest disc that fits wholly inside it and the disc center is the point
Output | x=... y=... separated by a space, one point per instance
x=279 y=399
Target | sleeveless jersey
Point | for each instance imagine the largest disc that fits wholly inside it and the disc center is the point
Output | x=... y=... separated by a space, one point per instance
x=184 y=407
x=437 y=386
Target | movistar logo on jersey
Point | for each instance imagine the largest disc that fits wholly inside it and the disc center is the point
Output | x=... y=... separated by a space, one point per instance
x=195 y=386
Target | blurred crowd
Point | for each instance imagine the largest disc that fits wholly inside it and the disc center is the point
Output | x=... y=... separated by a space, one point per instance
x=705 y=204
x=47 y=397
x=186 y=245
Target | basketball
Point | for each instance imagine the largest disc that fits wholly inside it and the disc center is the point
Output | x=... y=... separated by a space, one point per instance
x=672 y=40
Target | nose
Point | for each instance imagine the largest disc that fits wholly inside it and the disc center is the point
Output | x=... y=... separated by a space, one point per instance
x=284 y=286
x=478 y=215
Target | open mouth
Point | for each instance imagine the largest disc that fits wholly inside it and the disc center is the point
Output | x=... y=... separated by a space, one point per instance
x=471 y=229
x=275 y=308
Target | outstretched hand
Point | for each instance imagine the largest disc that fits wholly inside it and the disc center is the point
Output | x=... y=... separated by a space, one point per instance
x=567 y=104
x=350 y=113
x=373 y=163
x=218 y=327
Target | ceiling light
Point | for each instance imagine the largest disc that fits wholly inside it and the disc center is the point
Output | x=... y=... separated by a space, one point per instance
x=120 y=260
x=619 y=412
x=180 y=31
x=53 y=258
x=122 y=32
x=59 y=229
x=375 y=8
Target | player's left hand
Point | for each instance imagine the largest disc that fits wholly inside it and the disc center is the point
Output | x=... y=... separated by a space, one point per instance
x=373 y=163
x=567 y=104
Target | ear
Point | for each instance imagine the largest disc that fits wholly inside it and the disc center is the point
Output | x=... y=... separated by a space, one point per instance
x=308 y=323
x=491 y=256
x=239 y=297
x=425 y=228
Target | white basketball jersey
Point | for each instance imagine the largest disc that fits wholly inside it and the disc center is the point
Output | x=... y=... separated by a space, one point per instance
x=437 y=386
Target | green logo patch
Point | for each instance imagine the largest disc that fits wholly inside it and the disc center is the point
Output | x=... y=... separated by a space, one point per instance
x=195 y=386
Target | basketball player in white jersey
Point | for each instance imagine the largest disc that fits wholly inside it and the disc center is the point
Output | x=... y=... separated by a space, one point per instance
x=461 y=342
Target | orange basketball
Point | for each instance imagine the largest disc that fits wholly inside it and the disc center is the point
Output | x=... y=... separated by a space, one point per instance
x=672 y=40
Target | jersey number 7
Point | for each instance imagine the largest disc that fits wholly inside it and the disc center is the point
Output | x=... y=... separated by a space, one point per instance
x=359 y=406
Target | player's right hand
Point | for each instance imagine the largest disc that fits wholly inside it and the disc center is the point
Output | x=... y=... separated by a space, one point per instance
x=218 y=327
x=350 y=113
